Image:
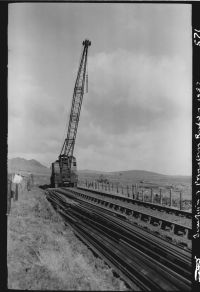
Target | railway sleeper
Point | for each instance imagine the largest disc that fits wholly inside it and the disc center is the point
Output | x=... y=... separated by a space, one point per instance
x=171 y=231
x=148 y=222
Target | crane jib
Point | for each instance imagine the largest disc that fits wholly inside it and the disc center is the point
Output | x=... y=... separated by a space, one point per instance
x=66 y=161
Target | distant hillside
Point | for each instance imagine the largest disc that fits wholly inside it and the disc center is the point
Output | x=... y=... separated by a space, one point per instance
x=92 y=171
x=136 y=176
x=32 y=165
x=149 y=175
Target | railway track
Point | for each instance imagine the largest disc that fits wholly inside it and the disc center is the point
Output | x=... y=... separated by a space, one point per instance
x=143 y=260
x=171 y=229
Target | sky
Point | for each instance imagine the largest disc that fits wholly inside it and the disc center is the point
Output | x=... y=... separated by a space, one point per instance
x=137 y=113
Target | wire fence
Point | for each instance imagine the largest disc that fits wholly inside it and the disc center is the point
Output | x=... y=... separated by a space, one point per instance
x=161 y=196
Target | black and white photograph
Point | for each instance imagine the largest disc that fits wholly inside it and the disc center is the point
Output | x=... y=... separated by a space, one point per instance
x=99 y=183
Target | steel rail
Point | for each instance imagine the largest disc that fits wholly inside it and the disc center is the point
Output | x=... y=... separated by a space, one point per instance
x=168 y=256
x=102 y=228
x=146 y=213
x=162 y=223
x=113 y=233
x=169 y=246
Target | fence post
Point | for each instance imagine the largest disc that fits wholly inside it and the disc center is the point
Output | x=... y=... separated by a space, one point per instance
x=180 y=200
x=170 y=197
x=134 y=192
x=16 y=192
x=160 y=196
x=9 y=197
x=122 y=190
x=151 y=195
x=142 y=195
x=127 y=191
x=32 y=180
x=28 y=184
x=117 y=189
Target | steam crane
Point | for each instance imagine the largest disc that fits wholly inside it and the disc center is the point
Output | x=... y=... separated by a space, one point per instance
x=64 y=169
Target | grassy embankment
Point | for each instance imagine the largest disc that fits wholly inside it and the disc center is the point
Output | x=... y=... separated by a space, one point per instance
x=44 y=253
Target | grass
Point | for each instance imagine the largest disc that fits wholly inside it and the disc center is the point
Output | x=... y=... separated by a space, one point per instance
x=44 y=254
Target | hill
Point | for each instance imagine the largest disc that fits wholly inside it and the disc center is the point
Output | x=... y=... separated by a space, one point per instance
x=24 y=165
x=136 y=176
x=151 y=176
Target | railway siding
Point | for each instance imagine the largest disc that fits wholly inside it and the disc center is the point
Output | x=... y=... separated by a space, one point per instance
x=172 y=227
x=124 y=246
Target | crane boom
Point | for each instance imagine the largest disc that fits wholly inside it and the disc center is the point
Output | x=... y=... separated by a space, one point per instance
x=68 y=146
x=64 y=169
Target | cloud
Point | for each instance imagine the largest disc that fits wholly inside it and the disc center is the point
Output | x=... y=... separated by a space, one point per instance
x=133 y=91
x=137 y=113
x=34 y=125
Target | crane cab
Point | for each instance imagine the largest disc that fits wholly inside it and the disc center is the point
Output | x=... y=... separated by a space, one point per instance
x=64 y=172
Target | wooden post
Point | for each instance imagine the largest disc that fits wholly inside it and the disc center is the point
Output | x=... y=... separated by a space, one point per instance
x=9 y=197
x=142 y=195
x=160 y=196
x=180 y=200
x=127 y=191
x=117 y=189
x=151 y=195
x=170 y=197
x=32 y=180
x=122 y=190
x=138 y=195
x=16 y=192
x=135 y=191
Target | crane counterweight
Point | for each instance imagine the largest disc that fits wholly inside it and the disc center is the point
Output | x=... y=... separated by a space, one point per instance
x=64 y=169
